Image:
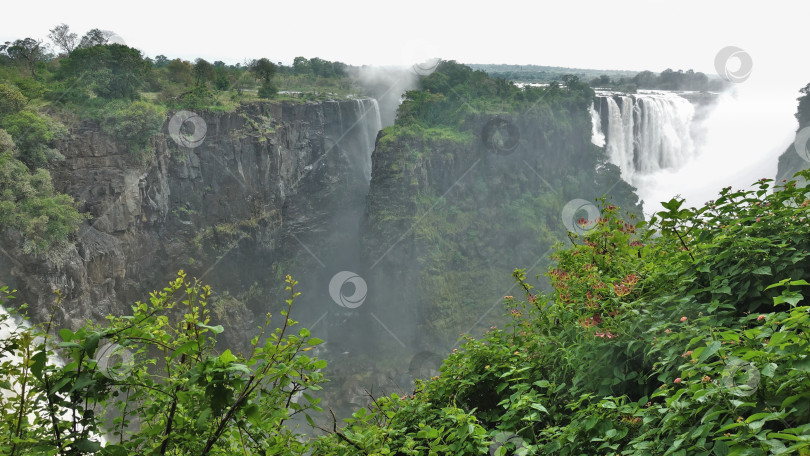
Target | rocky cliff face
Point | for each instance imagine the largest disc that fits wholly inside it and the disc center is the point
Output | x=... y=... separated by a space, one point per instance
x=449 y=219
x=224 y=211
x=790 y=163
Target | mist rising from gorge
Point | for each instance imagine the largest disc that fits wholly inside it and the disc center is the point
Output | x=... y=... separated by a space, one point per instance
x=388 y=86
x=744 y=133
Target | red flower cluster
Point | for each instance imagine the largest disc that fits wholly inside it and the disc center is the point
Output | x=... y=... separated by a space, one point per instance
x=592 y=299
x=621 y=290
x=625 y=227
x=626 y=286
x=587 y=322
x=605 y=334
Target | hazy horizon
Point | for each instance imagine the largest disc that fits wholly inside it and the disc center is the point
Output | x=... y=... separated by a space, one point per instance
x=363 y=33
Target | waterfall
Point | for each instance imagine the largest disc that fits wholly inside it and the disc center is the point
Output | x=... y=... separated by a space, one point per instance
x=664 y=136
x=368 y=115
x=649 y=132
x=620 y=135
x=597 y=137
x=355 y=132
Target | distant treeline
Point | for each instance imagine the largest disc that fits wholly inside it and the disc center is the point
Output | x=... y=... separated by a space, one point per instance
x=541 y=74
x=666 y=80
x=99 y=65
x=628 y=81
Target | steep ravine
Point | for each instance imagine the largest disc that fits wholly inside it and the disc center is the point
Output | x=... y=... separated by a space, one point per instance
x=226 y=211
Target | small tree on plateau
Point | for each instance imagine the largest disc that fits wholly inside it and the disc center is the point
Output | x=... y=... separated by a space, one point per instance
x=95 y=37
x=264 y=69
x=204 y=71
x=63 y=38
x=27 y=51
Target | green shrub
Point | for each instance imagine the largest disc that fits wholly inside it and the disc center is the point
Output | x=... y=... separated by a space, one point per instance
x=158 y=378
x=34 y=134
x=132 y=123
x=29 y=205
x=268 y=90
x=111 y=71
x=686 y=335
x=11 y=100
x=199 y=98
x=31 y=88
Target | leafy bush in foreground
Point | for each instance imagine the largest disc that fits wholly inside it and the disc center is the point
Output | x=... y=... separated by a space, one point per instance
x=171 y=391
x=684 y=335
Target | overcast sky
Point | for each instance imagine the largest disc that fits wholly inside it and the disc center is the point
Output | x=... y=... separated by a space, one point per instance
x=626 y=34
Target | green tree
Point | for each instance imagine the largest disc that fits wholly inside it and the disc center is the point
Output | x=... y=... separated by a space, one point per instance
x=113 y=71
x=268 y=90
x=301 y=66
x=133 y=123
x=264 y=69
x=95 y=37
x=28 y=52
x=161 y=61
x=29 y=204
x=198 y=98
x=222 y=80
x=203 y=71
x=63 y=38
x=6 y=142
x=180 y=71
x=11 y=100
x=33 y=134
x=322 y=68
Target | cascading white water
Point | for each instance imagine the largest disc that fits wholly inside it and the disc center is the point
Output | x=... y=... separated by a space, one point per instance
x=368 y=111
x=664 y=137
x=648 y=133
x=352 y=132
x=620 y=135
x=597 y=137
